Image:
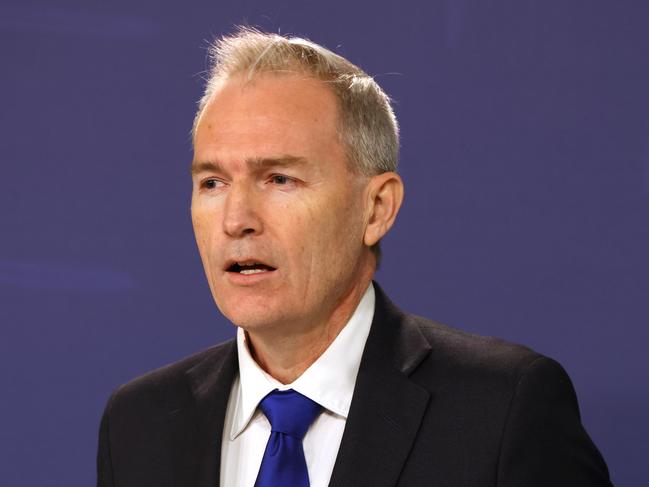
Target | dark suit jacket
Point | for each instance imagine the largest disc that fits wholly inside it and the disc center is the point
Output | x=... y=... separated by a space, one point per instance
x=432 y=406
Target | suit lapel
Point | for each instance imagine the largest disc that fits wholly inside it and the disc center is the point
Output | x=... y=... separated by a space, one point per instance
x=387 y=407
x=210 y=382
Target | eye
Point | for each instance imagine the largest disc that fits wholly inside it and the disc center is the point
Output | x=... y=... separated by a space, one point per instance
x=280 y=179
x=211 y=183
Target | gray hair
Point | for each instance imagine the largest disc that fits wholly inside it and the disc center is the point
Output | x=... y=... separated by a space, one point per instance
x=367 y=126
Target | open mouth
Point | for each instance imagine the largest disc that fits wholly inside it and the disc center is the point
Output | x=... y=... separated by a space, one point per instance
x=247 y=268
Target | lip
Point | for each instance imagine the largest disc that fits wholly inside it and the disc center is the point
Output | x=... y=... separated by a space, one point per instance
x=239 y=279
x=247 y=260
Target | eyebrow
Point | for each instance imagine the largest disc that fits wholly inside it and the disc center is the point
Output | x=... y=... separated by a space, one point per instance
x=257 y=163
x=282 y=161
x=206 y=166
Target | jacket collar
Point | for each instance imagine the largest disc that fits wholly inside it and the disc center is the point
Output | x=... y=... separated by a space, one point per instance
x=210 y=381
x=387 y=407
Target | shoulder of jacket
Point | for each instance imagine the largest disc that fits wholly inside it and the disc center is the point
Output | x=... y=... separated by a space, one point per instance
x=463 y=352
x=165 y=382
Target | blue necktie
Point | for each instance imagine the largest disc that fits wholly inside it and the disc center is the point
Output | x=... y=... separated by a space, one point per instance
x=290 y=414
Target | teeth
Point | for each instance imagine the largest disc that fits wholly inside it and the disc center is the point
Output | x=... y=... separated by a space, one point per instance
x=251 y=271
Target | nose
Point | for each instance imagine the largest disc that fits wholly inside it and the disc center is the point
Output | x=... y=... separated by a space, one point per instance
x=241 y=216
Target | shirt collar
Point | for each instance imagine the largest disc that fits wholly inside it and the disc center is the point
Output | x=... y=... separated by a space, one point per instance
x=329 y=381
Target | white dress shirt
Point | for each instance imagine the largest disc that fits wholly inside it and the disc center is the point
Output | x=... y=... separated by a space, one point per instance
x=329 y=381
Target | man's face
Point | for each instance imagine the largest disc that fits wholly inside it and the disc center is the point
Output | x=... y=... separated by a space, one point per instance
x=279 y=217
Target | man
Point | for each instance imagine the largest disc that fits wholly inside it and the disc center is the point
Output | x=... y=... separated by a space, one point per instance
x=327 y=382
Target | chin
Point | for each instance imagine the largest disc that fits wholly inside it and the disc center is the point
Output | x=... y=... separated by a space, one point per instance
x=246 y=311
x=260 y=308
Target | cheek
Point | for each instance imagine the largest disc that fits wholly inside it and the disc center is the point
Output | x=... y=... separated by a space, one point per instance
x=200 y=230
x=331 y=236
x=205 y=230
x=299 y=232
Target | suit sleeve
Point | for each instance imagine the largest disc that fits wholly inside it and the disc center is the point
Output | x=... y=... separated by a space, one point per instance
x=104 y=462
x=544 y=442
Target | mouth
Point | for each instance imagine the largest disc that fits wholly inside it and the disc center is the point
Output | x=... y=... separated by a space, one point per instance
x=248 y=267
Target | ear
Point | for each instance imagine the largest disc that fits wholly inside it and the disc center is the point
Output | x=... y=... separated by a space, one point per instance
x=384 y=197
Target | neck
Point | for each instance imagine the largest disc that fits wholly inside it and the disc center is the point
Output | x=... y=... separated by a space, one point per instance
x=286 y=357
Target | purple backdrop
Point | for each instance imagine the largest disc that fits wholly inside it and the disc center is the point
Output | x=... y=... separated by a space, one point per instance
x=525 y=157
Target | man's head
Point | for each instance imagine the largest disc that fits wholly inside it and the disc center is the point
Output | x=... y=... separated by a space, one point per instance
x=295 y=150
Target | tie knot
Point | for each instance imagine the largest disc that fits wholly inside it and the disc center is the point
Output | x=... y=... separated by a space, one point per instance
x=289 y=412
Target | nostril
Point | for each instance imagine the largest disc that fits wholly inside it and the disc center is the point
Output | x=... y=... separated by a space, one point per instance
x=240 y=216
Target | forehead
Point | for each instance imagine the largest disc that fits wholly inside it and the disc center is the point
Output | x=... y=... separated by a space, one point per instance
x=270 y=104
